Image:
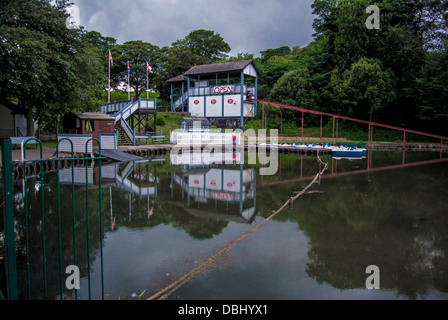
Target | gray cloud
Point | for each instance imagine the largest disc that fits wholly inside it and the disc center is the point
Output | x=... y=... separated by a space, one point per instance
x=246 y=25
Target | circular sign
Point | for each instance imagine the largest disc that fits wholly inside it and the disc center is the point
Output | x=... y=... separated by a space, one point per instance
x=213 y=183
x=213 y=101
x=196 y=101
x=196 y=181
x=230 y=185
x=230 y=101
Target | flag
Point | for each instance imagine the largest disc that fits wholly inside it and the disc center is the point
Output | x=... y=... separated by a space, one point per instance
x=148 y=67
x=129 y=70
x=110 y=58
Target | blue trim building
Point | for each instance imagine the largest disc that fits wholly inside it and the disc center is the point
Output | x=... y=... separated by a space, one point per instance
x=217 y=91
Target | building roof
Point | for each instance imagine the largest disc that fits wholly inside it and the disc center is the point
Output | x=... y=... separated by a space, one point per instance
x=92 y=115
x=191 y=121
x=180 y=78
x=15 y=107
x=233 y=66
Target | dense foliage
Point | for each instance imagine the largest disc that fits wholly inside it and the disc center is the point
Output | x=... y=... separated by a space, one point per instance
x=396 y=74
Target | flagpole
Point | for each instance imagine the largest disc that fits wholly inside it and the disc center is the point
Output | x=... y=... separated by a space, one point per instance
x=147 y=88
x=129 y=87
x=108 y=81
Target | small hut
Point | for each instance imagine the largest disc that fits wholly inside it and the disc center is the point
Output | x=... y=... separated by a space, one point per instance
x=195 y=124
x=93 y=123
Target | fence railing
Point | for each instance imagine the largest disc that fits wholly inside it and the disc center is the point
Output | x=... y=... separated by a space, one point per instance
x=49 y=236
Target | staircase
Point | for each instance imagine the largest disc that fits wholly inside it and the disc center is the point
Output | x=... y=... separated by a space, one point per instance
x=126 y=135
x=177 y=105
x=123 y=140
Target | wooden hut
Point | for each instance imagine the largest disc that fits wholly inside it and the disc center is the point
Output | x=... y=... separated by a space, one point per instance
x=93 y=123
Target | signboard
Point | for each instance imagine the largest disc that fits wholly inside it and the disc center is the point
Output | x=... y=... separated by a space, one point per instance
x=222 y=196
x=223 y=89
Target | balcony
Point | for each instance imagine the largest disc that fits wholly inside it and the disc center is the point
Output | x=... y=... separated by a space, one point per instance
x=220 y=90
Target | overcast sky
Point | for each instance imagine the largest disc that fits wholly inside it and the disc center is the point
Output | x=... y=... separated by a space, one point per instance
x=248 y=26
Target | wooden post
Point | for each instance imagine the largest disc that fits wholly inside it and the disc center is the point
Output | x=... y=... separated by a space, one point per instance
x=404 y=139
x=262 y=118
x=302 y=125
x=333 y=130
x=281 y=120
x=321 y=127
x=337 y=128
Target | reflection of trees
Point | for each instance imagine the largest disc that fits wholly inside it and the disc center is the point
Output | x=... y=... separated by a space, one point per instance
x=53 y=247
x=395 y=222
x=165 y=214
x=393 y=219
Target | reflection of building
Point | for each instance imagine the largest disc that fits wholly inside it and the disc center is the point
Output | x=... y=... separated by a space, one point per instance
x=136 y=177
x=203 y=184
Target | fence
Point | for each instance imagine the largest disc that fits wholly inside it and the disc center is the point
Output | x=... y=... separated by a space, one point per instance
x=44 y=238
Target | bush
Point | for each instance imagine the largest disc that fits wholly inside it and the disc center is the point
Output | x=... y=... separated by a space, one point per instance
x=161 y=121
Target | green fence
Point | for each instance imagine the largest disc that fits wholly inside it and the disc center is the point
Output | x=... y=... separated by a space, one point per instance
x=44 y=238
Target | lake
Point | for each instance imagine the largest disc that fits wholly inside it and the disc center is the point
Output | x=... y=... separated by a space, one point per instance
x=165 y=216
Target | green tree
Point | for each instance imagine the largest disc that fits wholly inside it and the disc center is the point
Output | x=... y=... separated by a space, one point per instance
x=431 y=92
x=138 y=54
x=44 y=64
x=364 y=89
x=205 y=43
x=279 y=52
x=295 y=89
x=176 y=61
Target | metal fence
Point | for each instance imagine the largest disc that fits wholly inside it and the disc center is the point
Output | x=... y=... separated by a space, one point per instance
x=44 y=239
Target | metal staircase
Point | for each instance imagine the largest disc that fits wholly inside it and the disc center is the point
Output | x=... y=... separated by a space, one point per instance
x=122 y=113
x=181 y=101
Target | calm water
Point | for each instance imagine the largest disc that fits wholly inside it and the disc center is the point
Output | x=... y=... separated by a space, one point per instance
x=162 y=217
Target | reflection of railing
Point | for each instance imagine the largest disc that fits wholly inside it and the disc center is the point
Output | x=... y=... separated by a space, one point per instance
x=369 y=169
x=123 y=181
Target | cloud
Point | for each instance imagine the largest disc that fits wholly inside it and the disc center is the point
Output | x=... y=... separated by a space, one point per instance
x=246 y=25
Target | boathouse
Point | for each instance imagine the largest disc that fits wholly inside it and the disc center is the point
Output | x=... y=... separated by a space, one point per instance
x=219 y=92
x=93 y=123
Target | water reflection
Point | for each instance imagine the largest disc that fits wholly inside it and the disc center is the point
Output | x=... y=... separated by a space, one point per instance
x=161 y=215
x=201 y=183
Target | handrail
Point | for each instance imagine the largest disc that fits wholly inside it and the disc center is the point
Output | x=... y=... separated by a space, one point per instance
x=370 y=123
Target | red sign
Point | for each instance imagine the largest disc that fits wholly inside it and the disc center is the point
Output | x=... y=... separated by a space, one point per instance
x=230 y=185
x=230 y=101
x=196 y=181
x=222 y=196
x=213 y=101
x=213 y=183
x=223 y=89
x=196 y=101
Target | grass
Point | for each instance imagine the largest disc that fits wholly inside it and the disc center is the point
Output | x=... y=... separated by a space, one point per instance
x=353 y=133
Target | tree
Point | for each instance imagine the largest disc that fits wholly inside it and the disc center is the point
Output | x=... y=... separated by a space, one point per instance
x=176 y=61
x=43 y=64
x=295 y=89
x=279 y=52
x=206 y=44
x=138 y=54
x=431 y=93
x=364 y=89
